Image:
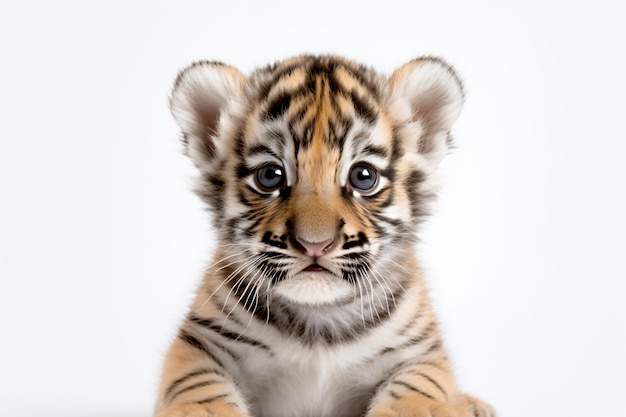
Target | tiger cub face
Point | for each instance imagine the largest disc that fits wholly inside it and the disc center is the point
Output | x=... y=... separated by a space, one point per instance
x=317 y=170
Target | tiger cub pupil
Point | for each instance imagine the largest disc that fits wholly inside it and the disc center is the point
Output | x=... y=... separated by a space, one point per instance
x=318 y=172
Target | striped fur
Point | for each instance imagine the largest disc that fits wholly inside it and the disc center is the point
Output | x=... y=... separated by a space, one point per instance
x=318 y=172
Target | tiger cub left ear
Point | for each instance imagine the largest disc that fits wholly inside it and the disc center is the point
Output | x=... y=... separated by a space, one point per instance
x=435 y=95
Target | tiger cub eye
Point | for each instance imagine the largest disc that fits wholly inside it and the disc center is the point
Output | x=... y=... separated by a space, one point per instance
x=363 y=177
x=269 y=177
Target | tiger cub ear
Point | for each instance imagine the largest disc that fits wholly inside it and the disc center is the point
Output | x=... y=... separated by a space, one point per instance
x=435 y=96
x=201 y=93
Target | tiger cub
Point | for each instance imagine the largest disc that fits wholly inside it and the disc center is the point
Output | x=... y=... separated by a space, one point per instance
x=317 y=171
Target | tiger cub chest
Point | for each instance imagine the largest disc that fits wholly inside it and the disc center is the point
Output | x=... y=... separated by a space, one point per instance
x=311 y=383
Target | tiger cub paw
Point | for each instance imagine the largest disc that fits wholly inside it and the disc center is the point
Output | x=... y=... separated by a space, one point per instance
x=200 y=410
x=462 y=406
x=476 y=407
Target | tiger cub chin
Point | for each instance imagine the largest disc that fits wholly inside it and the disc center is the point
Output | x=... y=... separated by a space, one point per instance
x=317 y=171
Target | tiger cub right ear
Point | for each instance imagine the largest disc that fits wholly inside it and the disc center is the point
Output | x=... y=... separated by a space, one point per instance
x=200 y=95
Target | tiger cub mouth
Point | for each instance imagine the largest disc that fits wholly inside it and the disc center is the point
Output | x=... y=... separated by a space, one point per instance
x=315 y=268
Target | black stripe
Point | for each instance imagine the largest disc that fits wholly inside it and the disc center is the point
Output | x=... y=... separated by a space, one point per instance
x=278 y=106
x=359 y=74
x=252 y=192
x=211 y=399
x=276 y=74
x=302 y=329
x=275 y=255
x=409 y=325
x=386 y=350
x=190 y=375
x=362 y=240
x=379 y=199
x=210 y=324
x=359 y=256
x=285 y=194
x=386 y=219
x=243 y=171
x=227 y=351
x=434 y=347
x=423 y=336
x=376 y=150
x=268 y=240
x=347 y=126
x=194 y=342
x=260 y=149
x=435 y=383
x=213 y=193
x=240 y=139
x=394 y=395
x=428 y=363
x=417 y=198
x=363 y=107
x=387 y=193
x=303 y=107
x=412 y=388
x=250 y=230
x=389 y=172
x=194 y=386
x=336 y=131
x=336 y=87
x=397 y=148
x=305 y=137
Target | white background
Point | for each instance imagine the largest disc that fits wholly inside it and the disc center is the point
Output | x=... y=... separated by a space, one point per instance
x=102 y=242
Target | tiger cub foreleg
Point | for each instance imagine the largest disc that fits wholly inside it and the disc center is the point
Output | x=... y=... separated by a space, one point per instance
x=195 y=384
x=424 y=389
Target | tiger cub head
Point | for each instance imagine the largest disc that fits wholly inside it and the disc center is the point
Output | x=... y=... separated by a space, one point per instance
x=317 y=169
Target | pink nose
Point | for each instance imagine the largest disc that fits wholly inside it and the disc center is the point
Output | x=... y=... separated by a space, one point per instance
x=315 y=248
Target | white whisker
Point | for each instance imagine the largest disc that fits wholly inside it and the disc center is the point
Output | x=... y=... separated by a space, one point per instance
x=366 y=278
x=249 y=266
x=258 y=284
x=361 y=297
x=267 y=306
x=239 y=303
x=384 y=287
x=386 y=284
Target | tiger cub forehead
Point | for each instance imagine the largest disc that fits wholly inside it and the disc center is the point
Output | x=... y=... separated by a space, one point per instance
x=316 y=91
x=316 y=110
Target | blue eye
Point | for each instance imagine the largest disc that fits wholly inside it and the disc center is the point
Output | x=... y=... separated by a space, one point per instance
x=269 y=177
x=363 y=177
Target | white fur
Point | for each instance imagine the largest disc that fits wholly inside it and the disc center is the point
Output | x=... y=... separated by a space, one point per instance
x=314 y=288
